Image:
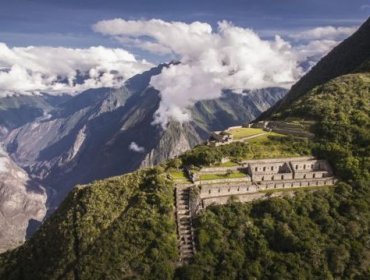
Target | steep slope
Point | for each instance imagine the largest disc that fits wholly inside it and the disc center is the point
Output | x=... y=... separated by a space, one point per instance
x=22 y=204
x=343 y=59
x=320 y=235
x=123 y=227
x=314 y=235
x=89 y=136
x=16 y=111
x=131 y=215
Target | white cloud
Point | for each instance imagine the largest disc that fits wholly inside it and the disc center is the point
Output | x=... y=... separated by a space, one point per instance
x=30 y=70
x=136 y=148
x=229 y=57
x=325 y=33
x=316 y=48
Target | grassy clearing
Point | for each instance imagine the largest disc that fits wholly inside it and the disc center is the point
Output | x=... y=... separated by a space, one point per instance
x=178 y=176
x=239 y=133
x=235 y=174
x=274 y=145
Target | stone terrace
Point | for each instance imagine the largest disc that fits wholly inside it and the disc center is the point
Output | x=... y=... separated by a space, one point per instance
x=274 y=176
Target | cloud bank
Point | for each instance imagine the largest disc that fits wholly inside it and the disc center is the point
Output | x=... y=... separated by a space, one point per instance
x=325 y=33
x=136 y=148
x=212 y=60
x=31 y=70
x=228 y=57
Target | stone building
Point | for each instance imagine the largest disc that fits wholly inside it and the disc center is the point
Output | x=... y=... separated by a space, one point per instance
x=280 y=169
x=222 y=137
x=308 y=169
x=270 y=171
x=265 y=175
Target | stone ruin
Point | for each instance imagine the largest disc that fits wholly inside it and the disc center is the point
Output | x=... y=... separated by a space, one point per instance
x=262 y=175
x=264 y=178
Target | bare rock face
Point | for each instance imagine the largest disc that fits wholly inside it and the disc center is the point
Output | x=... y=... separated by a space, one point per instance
x=175 y=140
x=21 y=201
x=88 y=137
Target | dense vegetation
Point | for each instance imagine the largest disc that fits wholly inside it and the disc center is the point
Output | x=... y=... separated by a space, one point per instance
x=320 y=235
x=343 y=59
x=119 y=226
x=124 y=227
x=267 y=146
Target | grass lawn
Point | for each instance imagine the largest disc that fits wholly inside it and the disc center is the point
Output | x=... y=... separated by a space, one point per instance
x=274 y=145
x=239 y=133
x=234 y=174
x=178 y=176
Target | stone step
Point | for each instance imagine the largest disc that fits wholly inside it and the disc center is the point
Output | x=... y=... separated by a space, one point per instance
x=184 y=227
x=186 y=250
x=184 y=212
x=184 y=223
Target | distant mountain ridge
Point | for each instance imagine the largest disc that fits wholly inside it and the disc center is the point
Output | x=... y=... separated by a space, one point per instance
x=124 y=226
x=343 y=59
x=88 y=136
x=64 y=141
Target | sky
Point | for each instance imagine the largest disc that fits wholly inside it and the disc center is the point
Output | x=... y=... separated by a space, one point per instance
x=50 y=46
x=68 y=22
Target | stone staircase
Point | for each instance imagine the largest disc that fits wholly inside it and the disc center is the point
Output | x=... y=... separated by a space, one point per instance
x=184 y=225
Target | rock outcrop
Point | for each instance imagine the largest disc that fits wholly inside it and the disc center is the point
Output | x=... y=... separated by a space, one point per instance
x=22 y=204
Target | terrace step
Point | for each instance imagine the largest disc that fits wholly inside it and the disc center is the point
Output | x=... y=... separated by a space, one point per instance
x=184 y=225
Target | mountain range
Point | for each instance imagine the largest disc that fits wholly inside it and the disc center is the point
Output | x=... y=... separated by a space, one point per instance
x=123 y=227
x=61 y=141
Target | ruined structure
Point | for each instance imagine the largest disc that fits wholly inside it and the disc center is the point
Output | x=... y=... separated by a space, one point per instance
x=267 y=174
x=261 y=177
x=220 y=137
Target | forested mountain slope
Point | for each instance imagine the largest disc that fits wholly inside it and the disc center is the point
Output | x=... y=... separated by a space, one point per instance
x=321 y=234
x=343 y=59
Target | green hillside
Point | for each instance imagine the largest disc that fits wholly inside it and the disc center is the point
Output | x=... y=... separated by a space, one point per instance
x=119 y=226
x=124 y=228
x=319 y=235
x=342 y=60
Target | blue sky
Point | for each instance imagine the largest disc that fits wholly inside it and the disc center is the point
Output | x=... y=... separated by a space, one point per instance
x=221 y=44
x=68 y=22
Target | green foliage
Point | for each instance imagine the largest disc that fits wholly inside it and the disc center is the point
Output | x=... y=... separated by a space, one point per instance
x=267 y=146
x=123 y=226
x=342 y=109
x=310 y=236
x=314 y=235
x=239 y=133
x=227 y=175
x=206 y=155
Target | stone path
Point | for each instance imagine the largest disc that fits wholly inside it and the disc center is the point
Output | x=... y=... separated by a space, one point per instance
x=184 y=225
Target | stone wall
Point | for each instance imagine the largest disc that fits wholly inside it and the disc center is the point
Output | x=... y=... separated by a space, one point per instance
x=210 y=170
x=273 y=167
x=226 y=189
x=272 y=160
x=272 y=176
x=223 y=181
x=297 y=183
x=309 y=175
x=309 y=165
x=225 y=199
x=245 y=188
